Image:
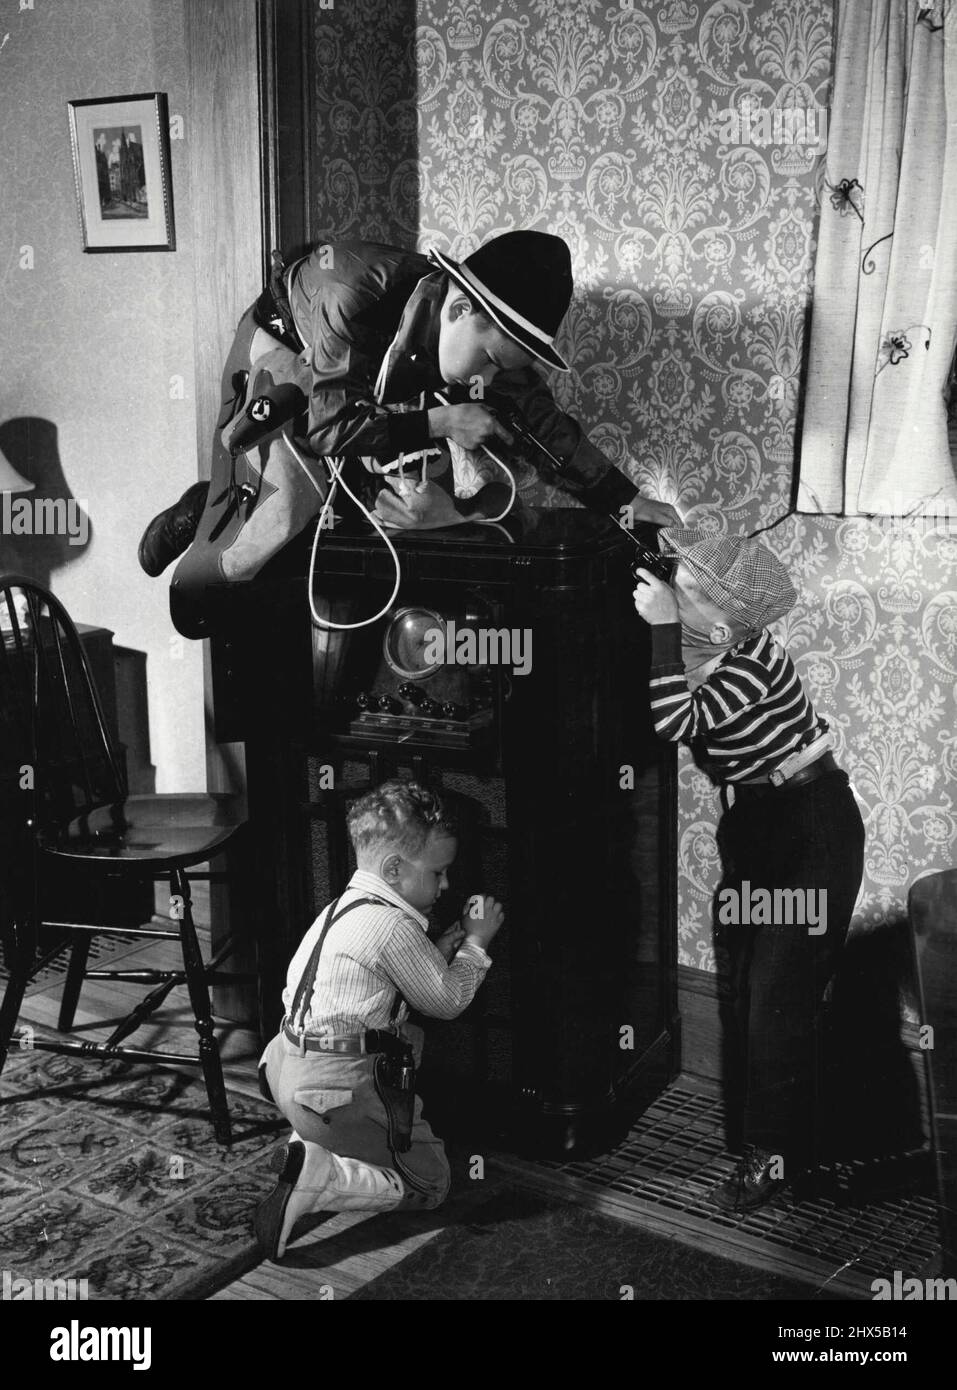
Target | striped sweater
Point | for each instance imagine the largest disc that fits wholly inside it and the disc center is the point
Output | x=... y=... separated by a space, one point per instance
x=745 y=718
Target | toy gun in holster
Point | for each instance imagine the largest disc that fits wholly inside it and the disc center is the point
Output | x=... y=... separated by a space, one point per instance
x=394 y=1077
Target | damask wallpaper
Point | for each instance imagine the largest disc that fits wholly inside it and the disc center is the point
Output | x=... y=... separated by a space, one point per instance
x=677 y=147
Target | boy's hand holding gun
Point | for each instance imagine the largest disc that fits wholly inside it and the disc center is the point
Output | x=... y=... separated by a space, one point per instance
x=654 y=599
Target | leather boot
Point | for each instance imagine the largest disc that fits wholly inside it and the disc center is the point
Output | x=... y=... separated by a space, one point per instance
x=313 y=1179
x=752 y=1184
x=363 y=1187
x=172 y=532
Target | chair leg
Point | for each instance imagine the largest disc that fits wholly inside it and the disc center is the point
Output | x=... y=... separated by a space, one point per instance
x=74 y=980
x=21 y=955
x=199 y=999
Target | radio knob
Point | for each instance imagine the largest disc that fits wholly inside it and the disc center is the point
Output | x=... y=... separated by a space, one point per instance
x=429 y=708
x=364 y=699
x=412 y=693
x=388 y=704
x=453 y=711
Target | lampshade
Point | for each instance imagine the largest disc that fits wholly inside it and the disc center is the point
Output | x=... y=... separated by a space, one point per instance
x=10 y=479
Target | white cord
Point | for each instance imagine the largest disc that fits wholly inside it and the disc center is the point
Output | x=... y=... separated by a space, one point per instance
x=335 y=468
x=485 y=520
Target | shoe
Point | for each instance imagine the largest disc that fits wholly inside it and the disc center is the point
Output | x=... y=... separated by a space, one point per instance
x=752 y=1184
x=269 y=1222
x=313 y=1179
x=172 y=532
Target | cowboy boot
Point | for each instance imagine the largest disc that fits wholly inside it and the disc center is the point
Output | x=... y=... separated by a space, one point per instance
x=363 y=1186
x=313 y=1179
x=172 y=532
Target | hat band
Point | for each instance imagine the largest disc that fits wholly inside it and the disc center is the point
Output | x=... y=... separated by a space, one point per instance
x=500 y=304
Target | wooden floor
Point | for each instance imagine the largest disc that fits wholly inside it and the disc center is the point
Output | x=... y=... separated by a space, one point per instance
x=102 y=1005
x=324 y=1263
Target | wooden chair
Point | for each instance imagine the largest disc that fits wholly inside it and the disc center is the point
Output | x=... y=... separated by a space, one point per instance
x=65 y=812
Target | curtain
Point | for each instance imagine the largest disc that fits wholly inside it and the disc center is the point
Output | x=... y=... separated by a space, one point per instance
x=884 y=309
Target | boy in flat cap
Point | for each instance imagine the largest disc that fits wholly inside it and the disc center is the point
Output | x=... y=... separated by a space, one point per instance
x=792 y=842
x=390 y=353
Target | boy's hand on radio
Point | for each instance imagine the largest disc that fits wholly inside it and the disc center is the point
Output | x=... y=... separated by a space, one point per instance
x=469 y=424
x=450 y=940
x=657 y=513
x=482 y=929
x=654 y=600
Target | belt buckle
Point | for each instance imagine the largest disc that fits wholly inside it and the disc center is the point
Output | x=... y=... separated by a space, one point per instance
x=777 y=778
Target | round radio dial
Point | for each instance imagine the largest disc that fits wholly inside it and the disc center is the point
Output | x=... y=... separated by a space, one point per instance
x=413 y=643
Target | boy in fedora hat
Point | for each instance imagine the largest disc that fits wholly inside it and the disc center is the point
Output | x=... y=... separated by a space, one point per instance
x=400 y=349
x=791 y=844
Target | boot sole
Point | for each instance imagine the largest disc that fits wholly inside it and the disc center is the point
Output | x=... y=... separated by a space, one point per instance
x=271 y=1213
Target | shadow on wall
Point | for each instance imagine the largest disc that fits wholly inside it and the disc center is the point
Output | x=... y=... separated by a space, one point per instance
x=42 y=530
x=871 y=1102
x=875 y=1098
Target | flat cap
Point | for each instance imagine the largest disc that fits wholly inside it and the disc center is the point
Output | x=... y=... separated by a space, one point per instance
x=739 y=575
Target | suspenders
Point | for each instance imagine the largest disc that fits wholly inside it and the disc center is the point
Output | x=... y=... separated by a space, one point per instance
x=307 y=980
x=393 y=1069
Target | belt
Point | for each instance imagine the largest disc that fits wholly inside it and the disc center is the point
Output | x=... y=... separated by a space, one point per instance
x=760 y=786
x=352 y=1044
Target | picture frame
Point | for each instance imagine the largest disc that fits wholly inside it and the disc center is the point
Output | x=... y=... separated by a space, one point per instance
x=121 y=163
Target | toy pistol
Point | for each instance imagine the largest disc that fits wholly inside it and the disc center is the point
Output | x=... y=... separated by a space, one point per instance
x=661 y=566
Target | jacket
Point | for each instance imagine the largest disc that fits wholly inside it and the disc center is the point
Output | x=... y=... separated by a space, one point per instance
x=368 y=315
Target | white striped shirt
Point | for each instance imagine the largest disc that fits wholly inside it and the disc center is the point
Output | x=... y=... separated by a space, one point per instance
x=373 y=951
x=745 y=718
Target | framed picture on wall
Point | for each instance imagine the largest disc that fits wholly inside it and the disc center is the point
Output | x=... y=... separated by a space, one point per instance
x=122 y=168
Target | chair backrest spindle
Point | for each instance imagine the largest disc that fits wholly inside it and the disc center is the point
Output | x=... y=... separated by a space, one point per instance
x=51 y=717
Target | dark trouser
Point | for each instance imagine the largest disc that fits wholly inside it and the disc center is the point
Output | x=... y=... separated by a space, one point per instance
x=810 y=838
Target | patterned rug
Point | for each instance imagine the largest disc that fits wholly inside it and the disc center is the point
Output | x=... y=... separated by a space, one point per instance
x=111 y=1173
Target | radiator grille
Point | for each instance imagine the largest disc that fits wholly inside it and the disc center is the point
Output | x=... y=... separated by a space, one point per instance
x=661 y=1175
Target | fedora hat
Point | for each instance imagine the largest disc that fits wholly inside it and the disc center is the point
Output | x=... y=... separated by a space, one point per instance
x=523 y=281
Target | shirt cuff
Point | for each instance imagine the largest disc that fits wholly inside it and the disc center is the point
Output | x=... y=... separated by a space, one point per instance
x=666 y=645
x=409 y=431
x=474 y=949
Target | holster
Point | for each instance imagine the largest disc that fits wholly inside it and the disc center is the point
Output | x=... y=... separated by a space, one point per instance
x=264 y=1090
x=393 y=1075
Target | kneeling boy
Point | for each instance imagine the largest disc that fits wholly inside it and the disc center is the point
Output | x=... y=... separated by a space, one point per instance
x=339 y=1069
